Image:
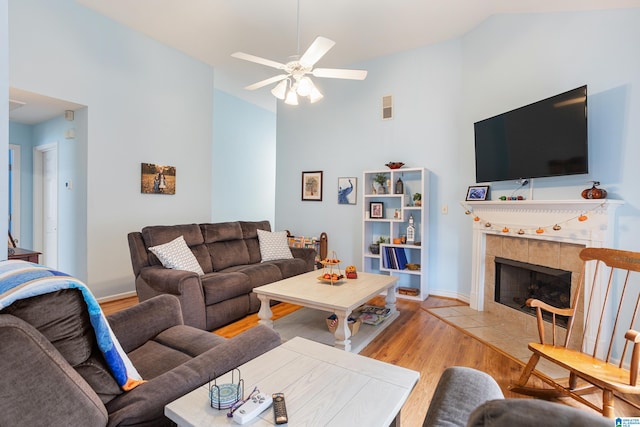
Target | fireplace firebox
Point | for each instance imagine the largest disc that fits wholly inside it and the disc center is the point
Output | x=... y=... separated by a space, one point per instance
x=516 y=281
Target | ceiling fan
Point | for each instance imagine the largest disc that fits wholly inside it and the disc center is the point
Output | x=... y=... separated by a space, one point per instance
x=295 y=79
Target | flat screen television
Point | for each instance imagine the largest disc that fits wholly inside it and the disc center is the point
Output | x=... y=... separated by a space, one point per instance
x=543 y=139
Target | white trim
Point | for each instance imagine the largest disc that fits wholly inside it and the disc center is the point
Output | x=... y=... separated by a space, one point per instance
x=116 y=297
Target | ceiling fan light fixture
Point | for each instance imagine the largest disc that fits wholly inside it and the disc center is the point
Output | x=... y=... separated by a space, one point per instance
x=280 y=90
x=315 y=95
x=305 y=86
x=292 y=98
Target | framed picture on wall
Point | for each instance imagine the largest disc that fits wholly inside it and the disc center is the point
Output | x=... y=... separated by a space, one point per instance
x=157 y=179
x=312 y=186
x=347 y=191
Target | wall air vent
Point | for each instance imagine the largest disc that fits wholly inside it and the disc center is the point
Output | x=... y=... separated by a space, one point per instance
x=387 y=107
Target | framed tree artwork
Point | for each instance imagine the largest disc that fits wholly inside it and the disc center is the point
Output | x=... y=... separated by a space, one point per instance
x=312 y=186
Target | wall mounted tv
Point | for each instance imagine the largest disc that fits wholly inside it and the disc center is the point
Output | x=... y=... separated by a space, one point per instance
x=546 y=138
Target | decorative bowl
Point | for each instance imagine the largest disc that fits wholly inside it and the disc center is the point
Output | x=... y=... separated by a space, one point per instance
x=394 y=165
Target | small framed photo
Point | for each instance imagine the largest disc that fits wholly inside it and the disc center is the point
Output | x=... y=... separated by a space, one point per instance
x=376 y=210
x=312 y=186
x=347 y=190
x=478 y=192
x=157 y=179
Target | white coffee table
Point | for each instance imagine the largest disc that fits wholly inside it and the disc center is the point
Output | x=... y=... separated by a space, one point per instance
x=306 y=290
x=323 y=386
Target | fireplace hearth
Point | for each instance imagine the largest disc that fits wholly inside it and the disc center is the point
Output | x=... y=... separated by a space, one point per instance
x=516 y=282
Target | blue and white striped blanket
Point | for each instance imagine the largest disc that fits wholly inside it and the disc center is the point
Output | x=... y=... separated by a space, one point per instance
x=20 y=279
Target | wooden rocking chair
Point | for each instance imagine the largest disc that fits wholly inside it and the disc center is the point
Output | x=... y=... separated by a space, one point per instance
x=604 y=363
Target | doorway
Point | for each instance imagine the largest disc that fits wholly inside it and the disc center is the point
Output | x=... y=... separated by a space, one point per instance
x=45 y=203
x=14 y=192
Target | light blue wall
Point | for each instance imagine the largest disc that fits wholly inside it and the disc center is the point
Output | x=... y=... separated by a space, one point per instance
x=439 y=91
x=145 y=102
x=244 y=151
x=344 y=135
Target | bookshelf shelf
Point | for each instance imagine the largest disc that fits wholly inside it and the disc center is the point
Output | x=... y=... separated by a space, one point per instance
x=396 y=210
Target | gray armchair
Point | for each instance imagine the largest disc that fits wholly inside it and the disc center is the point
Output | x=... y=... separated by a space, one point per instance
x=54 y=374
x=472 y=398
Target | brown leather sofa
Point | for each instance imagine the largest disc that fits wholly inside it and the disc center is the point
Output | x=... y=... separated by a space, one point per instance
x=229 y=254
x=54 y=374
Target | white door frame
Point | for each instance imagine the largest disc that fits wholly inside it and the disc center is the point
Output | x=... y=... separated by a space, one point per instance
x=39 y=232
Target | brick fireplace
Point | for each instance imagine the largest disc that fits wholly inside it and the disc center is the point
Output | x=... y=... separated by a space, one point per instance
x=510 y=230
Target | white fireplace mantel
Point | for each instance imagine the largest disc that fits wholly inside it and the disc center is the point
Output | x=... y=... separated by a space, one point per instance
x=586 y=222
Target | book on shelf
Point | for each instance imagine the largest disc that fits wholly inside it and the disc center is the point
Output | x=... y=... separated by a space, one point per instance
x=374 y=309
x=372 y=319
x=394 y=258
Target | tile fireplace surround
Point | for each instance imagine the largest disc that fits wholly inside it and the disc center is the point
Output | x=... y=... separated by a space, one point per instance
x=508 y=229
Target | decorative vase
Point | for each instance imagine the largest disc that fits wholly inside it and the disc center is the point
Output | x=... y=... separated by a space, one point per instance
x=594 y=192
x=374 y=248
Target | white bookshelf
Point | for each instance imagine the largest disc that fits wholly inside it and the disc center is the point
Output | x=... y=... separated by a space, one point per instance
x=396 y=211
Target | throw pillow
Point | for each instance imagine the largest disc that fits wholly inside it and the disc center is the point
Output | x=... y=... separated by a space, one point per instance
x=273 y=245
x=177 y=255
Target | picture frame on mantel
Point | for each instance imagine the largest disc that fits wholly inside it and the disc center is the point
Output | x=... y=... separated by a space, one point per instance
x=312 y=186
x=477 y=193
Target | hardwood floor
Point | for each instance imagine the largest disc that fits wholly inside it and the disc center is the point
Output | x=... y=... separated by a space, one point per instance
x=420 y=341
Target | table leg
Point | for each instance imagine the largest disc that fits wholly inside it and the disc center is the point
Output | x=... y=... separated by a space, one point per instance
x=343 y=333
x=390 y=300
x=265 y=312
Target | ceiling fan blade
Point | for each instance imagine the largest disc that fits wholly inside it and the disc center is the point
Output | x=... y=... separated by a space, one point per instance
x=317 y=50
x=258 y=60
x=266 y=82
x=335 y=73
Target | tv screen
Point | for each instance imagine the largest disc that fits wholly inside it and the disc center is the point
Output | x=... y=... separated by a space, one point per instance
x=546 y=138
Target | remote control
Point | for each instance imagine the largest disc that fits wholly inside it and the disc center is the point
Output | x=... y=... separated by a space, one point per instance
x=279 y=409
x=252 y=408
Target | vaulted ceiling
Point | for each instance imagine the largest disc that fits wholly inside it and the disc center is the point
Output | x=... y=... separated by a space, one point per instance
x=210 y=30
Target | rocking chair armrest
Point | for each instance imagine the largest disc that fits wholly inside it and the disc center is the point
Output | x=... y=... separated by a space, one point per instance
x=634 y=337
x=536 y=303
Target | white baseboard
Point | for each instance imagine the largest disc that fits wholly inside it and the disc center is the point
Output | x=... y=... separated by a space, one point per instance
x=449 y=294
x=117 y=296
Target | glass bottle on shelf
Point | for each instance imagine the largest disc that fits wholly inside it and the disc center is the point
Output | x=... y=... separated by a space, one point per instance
x=411 y=231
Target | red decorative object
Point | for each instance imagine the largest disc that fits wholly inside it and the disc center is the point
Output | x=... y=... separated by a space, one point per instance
x=394 y=165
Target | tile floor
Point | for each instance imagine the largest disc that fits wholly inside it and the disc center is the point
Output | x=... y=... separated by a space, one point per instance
x=498 y=333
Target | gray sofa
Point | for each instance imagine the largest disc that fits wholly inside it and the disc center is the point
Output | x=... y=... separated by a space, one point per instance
x=468 y=397
x=229 y=254
x=54 y=374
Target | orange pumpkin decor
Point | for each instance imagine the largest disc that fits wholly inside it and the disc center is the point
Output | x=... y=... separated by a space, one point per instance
x=540 y=231
x=351 y=272
x=505 y=230
x=583 y=218
x=476 y=219
x=594 y=192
